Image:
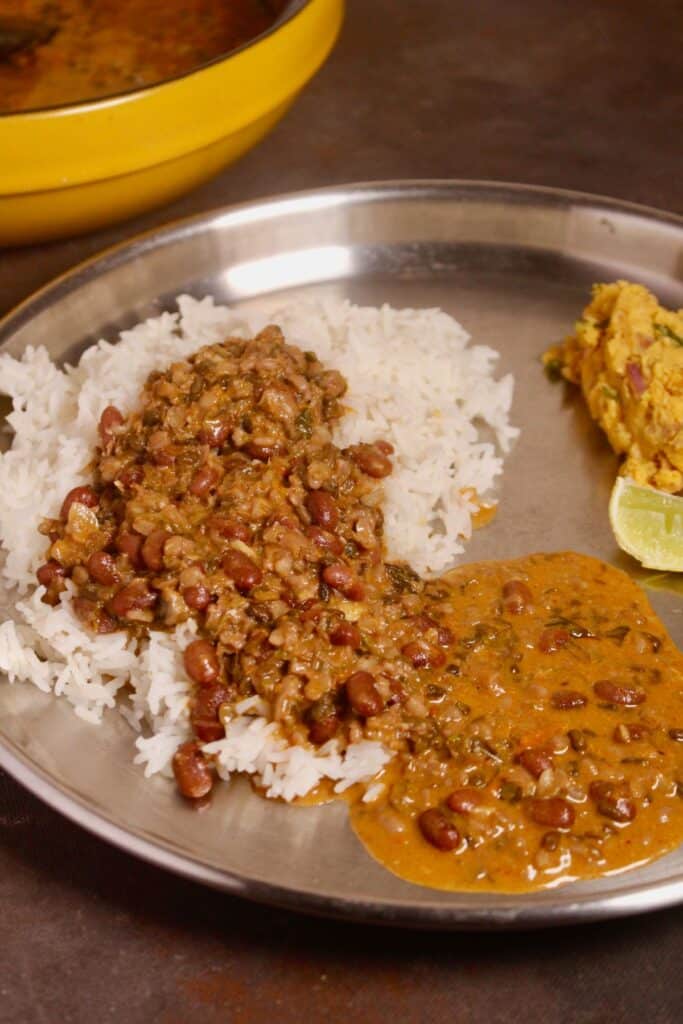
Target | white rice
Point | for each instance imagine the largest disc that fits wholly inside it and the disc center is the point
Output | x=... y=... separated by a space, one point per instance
x=413 y=380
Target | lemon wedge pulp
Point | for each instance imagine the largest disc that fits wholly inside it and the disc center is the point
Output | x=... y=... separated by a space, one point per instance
x=648 y=524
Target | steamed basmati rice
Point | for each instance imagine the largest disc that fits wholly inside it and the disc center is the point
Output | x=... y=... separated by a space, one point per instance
x=413 y=380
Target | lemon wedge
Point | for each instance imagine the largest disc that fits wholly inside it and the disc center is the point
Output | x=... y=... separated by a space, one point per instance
x=648 y=524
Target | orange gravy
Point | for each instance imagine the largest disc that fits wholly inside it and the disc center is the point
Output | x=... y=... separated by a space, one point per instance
x=107 y=47
x=546 y=686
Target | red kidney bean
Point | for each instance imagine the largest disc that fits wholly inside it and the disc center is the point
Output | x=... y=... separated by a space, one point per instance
x=550 y=841
x=568 y=700
x=214 y=433
x=613 y=800
x=132 y=474
x=110 y=419
x=242 y=570
x=535 y=760
x=135 y=596
x=363 y=695
x=83 y=495
x=577 y=740
x=371 y=461
x=324 y=729
x=322 y=509
x=384 y=447
x=205 y=710
x=553 y=812
x=630 y=733
x=464 y=801
x=517 y=598
x=423 y=623
x=208 y=730
x=233 y=529
x=261 y=452
x=423 y=655
x=628 y=696
x=203 y=481
x=102 y=568
x=130 y=544
x=676 y=735
x=438 y=830
x=339 y=576
x=327 y=541
x=197 y=597
x=416 y=653
x=193 y=775
x=92 y=616
x=345 y=634
x=356 y=591
x=50 y=573
x=201 y=662
x=553 y=639
x=207 y=701
x=153 y=549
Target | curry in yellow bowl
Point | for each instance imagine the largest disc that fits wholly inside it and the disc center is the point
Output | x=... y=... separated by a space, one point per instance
x=108 y=109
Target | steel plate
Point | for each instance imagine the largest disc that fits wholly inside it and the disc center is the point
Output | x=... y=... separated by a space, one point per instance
x=514 y=265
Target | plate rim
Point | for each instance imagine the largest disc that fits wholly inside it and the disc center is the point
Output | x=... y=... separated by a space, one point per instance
x=112 y=255
x=630 y=899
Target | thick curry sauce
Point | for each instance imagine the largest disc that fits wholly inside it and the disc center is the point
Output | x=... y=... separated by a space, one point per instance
x=54 y=52
x=533 y=708
x=563 y=758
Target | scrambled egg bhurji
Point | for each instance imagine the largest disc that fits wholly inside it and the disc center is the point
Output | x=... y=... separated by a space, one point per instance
x=627 y=356
x=533 y=707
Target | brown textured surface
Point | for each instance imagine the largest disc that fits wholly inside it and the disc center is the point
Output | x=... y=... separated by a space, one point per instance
x=585 y=95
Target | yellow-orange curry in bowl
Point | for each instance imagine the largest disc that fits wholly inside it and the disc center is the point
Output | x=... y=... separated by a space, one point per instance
x=67 y=51
x=108 y=109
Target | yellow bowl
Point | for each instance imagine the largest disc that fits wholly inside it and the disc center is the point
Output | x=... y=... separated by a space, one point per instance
x=75 y=168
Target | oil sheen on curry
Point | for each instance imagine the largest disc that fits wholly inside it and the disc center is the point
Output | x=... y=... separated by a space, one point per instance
x=533 y=707
x=54 y=52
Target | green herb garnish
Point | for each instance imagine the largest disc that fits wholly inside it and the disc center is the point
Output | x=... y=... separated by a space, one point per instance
x=511 y=792
x=434 y=692
x=618 y=633
x=553 y=369
x=304 y=423
x=668 y=333
x=403 y=578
